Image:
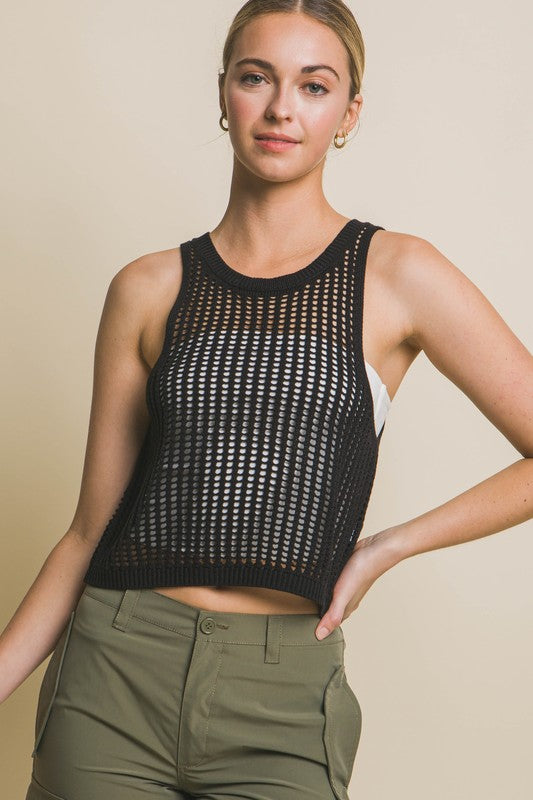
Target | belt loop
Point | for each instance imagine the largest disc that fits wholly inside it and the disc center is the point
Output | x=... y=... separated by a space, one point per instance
x=273 y=640
x=125 y=610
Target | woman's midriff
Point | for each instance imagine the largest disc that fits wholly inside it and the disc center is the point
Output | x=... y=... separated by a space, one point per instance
x=243 y=599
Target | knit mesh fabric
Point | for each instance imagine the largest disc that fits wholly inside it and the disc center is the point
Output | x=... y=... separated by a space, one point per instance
x=261 y=451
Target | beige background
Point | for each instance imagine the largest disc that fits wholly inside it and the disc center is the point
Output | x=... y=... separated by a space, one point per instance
x=111 y=148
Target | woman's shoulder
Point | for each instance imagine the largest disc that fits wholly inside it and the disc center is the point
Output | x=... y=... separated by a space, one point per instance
x=146 y=289
x=145 y=282
x=394 y=246
x=147 y=272
x=404 y=271
x=395 y=256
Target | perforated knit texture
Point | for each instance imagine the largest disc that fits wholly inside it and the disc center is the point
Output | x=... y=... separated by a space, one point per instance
x=260 y=456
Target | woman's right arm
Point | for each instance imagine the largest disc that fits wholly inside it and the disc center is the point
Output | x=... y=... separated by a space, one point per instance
x=117 y=426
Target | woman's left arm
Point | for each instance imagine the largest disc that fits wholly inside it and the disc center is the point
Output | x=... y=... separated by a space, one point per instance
x=467 y=340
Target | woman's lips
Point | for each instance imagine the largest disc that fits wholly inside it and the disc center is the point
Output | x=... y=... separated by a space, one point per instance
x=275 y=145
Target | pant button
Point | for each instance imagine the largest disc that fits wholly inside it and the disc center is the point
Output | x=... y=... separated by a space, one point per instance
x=207 y=625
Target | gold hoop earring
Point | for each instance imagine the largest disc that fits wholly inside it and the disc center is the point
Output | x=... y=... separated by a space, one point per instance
x=220 y=121
x=338 y=146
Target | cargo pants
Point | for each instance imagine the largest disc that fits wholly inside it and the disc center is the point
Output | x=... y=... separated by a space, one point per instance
x=148 y=698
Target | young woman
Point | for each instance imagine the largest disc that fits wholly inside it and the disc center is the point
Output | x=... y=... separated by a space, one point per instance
x=241 y=387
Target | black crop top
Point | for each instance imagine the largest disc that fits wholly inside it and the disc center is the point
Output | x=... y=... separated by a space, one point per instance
x=259 y=459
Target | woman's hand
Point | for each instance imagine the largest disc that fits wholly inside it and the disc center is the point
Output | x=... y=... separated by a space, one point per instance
x=372 y=556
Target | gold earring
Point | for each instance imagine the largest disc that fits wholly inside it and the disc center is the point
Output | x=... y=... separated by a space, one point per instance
x=220 y=121
x=345 y=135
x=338 y=146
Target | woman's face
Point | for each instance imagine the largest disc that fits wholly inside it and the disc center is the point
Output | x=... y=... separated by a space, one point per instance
x=310 y=106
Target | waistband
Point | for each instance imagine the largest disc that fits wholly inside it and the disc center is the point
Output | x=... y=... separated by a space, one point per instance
x=220 y=626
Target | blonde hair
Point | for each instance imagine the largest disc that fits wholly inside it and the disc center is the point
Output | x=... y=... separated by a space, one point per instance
x=333 y=13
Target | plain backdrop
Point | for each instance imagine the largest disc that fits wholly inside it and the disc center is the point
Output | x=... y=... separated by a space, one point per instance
x=110 y=149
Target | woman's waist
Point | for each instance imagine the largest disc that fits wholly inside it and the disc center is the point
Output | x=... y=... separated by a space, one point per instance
x=243 y=599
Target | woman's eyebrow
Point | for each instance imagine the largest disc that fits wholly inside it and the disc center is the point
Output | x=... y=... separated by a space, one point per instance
x=259 y=62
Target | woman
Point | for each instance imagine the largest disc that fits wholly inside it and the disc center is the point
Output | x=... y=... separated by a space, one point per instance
x=199 y=592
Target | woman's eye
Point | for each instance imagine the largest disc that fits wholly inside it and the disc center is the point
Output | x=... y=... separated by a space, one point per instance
x=249 y=75
x=320 y=85
x=312 y=83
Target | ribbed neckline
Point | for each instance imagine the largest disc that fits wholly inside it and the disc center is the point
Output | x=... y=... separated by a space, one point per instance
x=291 y=280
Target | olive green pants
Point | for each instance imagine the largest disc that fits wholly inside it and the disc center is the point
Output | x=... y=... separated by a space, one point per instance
x=146 y=697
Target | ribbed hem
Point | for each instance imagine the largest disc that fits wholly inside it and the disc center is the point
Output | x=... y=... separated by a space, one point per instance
x=150 y=576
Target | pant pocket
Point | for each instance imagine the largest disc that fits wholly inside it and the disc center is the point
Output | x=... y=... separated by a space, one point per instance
x=38 y=792
x=342 y=731
x=50 y=683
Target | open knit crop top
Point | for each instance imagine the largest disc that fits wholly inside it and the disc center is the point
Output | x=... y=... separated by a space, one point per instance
x=265 y=423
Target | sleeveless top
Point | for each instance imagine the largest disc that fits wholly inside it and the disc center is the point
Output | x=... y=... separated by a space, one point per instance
x=261 y=450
